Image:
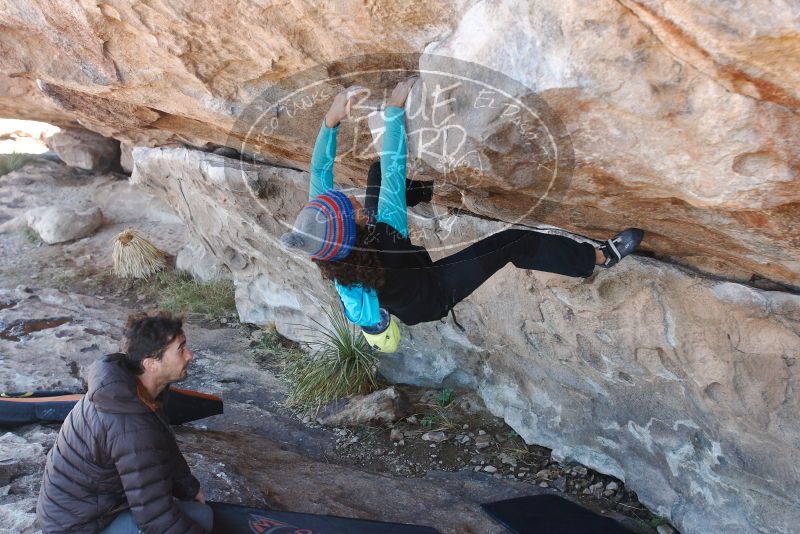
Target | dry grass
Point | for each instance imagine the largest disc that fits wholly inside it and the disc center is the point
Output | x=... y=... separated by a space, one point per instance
x=180 y=293
x=12 y=162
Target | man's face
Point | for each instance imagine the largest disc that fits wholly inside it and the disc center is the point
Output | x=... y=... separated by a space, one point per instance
x=173 y=365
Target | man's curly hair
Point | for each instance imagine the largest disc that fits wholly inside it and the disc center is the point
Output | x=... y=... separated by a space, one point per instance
x=147 y=335
x=362 y=265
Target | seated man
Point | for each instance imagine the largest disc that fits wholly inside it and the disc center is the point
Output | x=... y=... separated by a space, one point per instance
x=115 y=467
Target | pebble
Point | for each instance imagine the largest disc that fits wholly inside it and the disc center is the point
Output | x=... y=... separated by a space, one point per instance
x=436 y=437
x=481 y=432
x=560 y=484
x=490 y=469
x=544 y=485
x=465 y=427
x=544 y=473
x=412 y=419
x=507 y=459
x=477 y=468
x=396 y=435
x=612 y=486
x=580 y=471
x=482 y=441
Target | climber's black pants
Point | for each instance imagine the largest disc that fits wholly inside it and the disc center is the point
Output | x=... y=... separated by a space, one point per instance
x=462 y=273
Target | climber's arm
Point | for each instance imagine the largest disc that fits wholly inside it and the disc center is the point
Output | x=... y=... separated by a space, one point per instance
x=392 y=199
x=322 y=161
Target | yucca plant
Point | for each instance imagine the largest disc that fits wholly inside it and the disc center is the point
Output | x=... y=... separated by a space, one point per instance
x=341 y=363
x=136 y=257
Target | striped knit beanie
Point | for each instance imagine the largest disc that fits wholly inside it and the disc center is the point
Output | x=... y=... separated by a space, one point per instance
x=325 y=228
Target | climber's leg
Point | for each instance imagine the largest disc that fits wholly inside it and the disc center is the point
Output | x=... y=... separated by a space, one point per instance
x=462 y=273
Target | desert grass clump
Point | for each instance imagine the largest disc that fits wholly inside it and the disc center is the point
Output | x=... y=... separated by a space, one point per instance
x=31 y=235
x=136 y=257
x=178 y=292
x=12 y=162
x=341 y=363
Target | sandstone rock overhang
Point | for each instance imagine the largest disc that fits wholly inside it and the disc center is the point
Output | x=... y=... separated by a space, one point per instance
x=683 y=118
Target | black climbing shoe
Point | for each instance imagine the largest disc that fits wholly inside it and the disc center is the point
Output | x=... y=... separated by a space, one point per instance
x=621 y=245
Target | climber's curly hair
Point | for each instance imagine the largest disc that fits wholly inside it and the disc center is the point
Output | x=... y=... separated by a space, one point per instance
x=362 y=265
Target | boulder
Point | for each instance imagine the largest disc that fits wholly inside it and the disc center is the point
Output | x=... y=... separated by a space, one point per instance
x=84 y=149
x=381 y=407
x=126 y=157
x=681 y=385
x=57 y=225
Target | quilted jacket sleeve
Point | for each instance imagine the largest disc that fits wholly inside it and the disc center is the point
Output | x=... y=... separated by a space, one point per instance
x=144 y=460
x=184 y=484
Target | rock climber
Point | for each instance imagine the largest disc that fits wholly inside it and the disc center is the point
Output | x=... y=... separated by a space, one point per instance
x=366 y=252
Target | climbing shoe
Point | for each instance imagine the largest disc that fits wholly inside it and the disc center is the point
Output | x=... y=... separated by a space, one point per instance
x=621 y=245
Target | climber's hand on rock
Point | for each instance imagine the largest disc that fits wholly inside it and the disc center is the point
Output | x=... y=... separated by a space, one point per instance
x=400 y=92
x=340 y=108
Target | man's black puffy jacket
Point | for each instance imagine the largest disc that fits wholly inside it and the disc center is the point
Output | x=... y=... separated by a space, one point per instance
x=114 y=453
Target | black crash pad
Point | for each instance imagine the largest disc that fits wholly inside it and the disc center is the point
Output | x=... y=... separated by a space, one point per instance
x=550 y=514
x=182 y=405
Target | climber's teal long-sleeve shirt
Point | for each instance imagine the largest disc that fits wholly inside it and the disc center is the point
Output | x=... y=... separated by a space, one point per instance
x=361 y=304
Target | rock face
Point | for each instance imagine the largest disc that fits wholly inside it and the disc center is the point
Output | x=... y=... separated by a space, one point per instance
x=684 y=387
x=22 y=457
x=57 y=225
x=681 y=116
x=84 y=149
x=48 y=339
